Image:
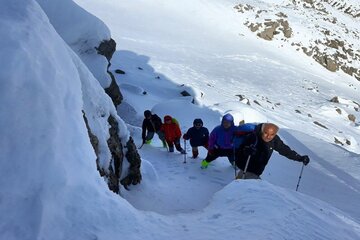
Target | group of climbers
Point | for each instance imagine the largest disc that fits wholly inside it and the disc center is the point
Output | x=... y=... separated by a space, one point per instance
x=247 y=146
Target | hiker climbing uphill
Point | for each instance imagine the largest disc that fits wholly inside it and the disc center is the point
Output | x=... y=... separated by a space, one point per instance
x=221 y=141
x=254 y=153
x=198 y=136
x=172 y=133
x=151 y=125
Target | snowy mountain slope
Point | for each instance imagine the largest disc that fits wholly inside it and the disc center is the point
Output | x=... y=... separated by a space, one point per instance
x=218 y=64
x=213 y=47
x=82 y=32
x=318 y=28
x=50 y=188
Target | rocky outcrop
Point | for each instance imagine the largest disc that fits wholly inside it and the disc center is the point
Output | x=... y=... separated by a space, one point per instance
x=114 y=172
x=133 y=157
x=107 y=49
x=326 y=46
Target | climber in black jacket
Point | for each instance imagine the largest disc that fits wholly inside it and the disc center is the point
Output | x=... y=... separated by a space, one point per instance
x=151 y=125
x=259 y=145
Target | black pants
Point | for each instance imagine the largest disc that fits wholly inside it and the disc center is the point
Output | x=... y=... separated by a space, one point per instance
x=229 y=153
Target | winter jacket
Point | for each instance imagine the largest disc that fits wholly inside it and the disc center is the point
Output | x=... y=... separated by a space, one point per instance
x=262 y=152
x=221 y=138
x=198 y=137
x=152 y=125
x=171 y=130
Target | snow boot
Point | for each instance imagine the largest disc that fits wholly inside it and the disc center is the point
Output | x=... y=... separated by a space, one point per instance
x=204 y=164
x=195 y=153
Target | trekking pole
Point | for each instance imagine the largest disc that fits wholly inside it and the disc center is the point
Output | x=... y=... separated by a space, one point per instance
x=185 y=150
x=302 y=168
x=246 y=166
x=234 y=160
x=141 y=146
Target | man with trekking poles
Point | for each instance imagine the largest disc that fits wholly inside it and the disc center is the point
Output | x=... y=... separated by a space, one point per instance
x=254 y=153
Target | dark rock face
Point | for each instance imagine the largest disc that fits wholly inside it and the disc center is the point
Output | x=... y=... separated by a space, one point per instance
x=114 y=91
x=114 y=173
x=133 y=157
x=107 y=48
x=116 y=149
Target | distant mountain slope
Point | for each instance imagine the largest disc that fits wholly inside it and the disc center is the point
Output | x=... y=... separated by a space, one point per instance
x=327 y=31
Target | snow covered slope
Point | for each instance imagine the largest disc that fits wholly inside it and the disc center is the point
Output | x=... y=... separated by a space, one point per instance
x=50 y=188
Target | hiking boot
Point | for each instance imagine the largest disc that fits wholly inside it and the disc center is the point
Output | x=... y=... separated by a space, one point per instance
x=204 y=164
x=171 y=148
x=195 y=154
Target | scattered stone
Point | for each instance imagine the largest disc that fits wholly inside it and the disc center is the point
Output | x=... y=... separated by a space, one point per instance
x=119 y=71
x=319 y=124
x=337 y=141
x=348 y=142
x=298 y=111
x=338 y=110
x=335 y=99
x=352 y=117
x=157 y=77
x=309 y=115
x=256 y=102
x=144 y=92
x=140 y=68
x=185 y=93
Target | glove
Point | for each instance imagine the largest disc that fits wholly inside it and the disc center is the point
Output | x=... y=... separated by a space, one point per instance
x=305 y=159
x=249 y=150
x=185 y=137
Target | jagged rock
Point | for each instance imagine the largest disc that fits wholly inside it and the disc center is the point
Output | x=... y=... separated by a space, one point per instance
x=319 y=124
x=119 y=71
x=254 y=27
x=270 y=30
x=116 y=149
x=337 y=141
x=134 y=175
x=326 y=61
x=286 y=29
x=107 y=48
x=256 y=102
x=185 y=93
x=352 y=117
x=281 y=15
x=335 y=99
x=298 y=111
x=114 y=91
x=338 y=110
x=348 y=142
x=94 y=142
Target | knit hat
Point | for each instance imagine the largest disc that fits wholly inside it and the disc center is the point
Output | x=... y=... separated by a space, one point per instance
x=228 y=117
x=147 y=113
x=197 y=121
